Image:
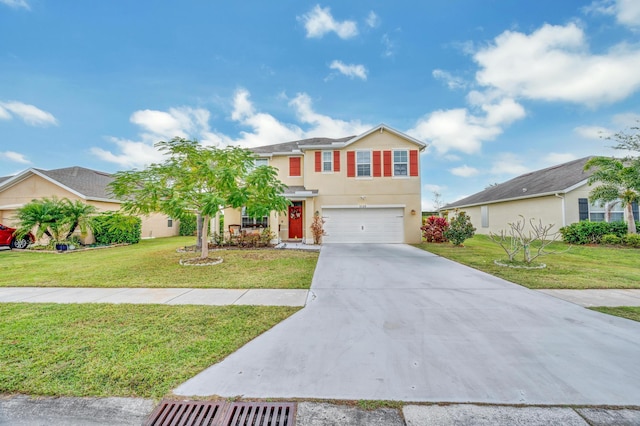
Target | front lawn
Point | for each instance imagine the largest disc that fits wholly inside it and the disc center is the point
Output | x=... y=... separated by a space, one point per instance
x=582 y=267
x=154 y=263
x=119 y=350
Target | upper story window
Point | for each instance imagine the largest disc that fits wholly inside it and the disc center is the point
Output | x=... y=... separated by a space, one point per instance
x=401 y=163
x=295 y=169
x=327 y=161
x=253 y=222
x=363 y=163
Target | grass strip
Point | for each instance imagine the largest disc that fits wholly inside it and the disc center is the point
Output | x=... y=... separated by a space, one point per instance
x=629 y=312
x=154 y=263
x=119 y=350
x=581 y=267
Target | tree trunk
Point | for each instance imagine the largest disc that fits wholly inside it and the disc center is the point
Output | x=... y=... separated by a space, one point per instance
x=631 y=222
x=199 y=232
x=205 y=231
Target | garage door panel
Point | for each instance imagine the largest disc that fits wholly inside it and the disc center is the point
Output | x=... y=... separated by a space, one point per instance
x=364 y=225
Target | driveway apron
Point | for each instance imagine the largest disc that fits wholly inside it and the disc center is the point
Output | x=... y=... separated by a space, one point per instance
x=393 y=322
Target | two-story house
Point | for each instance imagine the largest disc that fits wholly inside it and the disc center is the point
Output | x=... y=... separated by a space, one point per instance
x=366 y=188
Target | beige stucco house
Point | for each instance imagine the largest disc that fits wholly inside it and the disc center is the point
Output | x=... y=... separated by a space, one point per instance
x=365 y=187
x=556 y=195
x=74 y=183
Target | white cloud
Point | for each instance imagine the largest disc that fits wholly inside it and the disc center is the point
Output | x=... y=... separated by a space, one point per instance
x=554 y=158
x=319 y=22
x=433 y=187
x=372 y=20
x=503 y=113
x=554 y=63
x=16 y=4
x=389 y=46
x=15 y=157
x=30 y=114
x=508 y=164
x=627 y=12
x=592 y=132
x=264 y=129
x=628 y=119
x=350 y=70
x=451 y=81
x=464 y=171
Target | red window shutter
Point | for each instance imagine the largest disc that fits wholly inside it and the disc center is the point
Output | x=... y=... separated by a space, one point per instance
x=377 y=164
x=351 y=164
x=387 y=163
x=336 y=161
x=294 y=166
x=413 y=162
x=318 y=161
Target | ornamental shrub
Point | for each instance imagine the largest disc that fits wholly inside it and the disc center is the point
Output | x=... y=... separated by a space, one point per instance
x=587 y=232
x=460 y=229
x=434 y=228
x=611 y=239
x=632 y=240
x=116 y=228
x=188 y=225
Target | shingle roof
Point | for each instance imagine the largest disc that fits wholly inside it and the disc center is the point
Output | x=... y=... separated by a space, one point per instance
x=552 y=179
x=3 y=178
x=90 y=183
x=295 y=145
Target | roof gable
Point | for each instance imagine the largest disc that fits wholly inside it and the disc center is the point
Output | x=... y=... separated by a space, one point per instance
x=85 y=183
x=556 y=179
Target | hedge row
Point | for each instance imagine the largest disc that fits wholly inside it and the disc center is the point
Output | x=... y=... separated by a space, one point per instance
x=586 y=232
x=116 y=228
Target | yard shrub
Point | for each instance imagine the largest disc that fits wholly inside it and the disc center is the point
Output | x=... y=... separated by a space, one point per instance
x=610 y=239
x=188 y=225
x=434 y=228
x=116 y=228
x=460 y=229
x=587 y=232
x=632 y=240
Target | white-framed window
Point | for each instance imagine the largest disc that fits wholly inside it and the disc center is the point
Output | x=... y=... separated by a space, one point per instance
x=363 y=163
x=613 y=209
x=401 y=162
x=327 y=161
x=253 y=222
x=484 y=214
x=260 y=162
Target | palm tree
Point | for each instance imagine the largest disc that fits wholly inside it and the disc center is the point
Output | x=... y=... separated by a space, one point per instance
x=619 y=180
x=78 y=214
x=57 y=219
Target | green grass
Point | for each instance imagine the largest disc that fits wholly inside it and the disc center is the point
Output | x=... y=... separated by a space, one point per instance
x=629 y=312
x=154 y=263
x=581 y=267
x=119 y=350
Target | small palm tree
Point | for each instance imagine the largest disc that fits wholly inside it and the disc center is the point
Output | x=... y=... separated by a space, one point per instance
x=57 y=219
x=78 y=214
x=619 y=180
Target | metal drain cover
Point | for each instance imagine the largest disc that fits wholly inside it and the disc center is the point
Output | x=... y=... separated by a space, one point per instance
x=220 y=413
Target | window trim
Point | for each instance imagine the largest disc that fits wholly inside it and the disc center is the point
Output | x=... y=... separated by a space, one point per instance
x=393 y=163
x=594 y=208
x=357 y=163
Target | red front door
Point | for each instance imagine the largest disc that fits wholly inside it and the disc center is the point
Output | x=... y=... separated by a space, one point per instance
x=295 y=221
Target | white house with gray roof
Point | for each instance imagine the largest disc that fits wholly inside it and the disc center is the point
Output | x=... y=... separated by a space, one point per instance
x=556 y=195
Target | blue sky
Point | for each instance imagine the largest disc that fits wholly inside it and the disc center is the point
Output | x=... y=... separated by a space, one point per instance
x=495 y=87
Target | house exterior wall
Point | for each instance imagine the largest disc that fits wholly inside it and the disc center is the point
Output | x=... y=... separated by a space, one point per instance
x=35 y=187
x=548 y=208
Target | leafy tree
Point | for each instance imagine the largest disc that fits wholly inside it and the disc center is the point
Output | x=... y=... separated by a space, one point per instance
x=57 y=219
x=200 y=180
x=619 y=180
x=460 y=229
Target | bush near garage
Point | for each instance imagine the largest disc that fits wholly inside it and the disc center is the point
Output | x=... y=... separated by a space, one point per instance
x=434 y=228
x=188 y=225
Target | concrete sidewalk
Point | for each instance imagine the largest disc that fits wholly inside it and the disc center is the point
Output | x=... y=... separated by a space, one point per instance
x=590 y=298
x=164 y=296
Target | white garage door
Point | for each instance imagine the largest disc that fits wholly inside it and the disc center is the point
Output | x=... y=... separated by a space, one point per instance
x=370 y=225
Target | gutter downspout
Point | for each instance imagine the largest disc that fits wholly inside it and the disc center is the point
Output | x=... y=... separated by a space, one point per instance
x=564 y=220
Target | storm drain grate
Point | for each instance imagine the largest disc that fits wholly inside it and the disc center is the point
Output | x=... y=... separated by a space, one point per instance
x=219 y=413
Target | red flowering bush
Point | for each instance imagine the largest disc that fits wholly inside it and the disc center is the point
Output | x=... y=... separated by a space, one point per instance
x=434 y=228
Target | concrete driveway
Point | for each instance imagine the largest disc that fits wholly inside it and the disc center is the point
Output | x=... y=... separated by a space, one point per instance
x=392 y=322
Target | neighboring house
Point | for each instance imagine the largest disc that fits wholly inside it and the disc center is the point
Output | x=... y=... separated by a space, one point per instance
x=556 y=195
x=74 y=183
x=366 y=188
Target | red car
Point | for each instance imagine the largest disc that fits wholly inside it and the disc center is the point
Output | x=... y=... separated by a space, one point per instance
x=8 y=239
